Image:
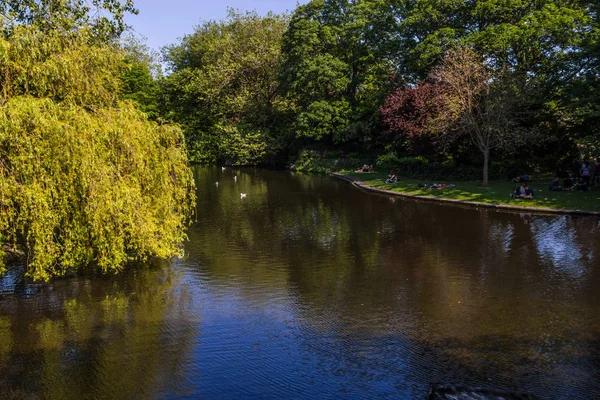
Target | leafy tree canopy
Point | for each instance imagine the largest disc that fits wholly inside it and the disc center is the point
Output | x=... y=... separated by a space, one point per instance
x=223 y=87
x=84 y=178
x=61 y=66
x=337 y=58
x=529 y=36
x=104 y=17
x=140 y=75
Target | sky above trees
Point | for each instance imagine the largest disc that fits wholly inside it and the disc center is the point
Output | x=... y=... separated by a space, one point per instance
x=163 y=22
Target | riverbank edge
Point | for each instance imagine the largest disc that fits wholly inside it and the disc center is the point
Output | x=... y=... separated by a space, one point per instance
x=476 y=204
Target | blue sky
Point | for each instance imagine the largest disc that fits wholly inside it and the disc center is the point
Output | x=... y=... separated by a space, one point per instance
x=164 y=21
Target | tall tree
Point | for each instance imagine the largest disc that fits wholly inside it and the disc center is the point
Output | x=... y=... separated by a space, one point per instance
x=223 y=89
x=579 y=94
x=336 y=61
x=140 y=75
x=463 y=96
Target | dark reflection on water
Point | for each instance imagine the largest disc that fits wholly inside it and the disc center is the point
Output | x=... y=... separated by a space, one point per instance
x=308 y=288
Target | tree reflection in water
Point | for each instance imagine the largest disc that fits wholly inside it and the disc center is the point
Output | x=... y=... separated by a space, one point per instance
x=494 y=296
x=97 y=338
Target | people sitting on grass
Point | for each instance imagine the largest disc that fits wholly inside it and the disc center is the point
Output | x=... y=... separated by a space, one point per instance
x=526 y=193
x=366 y=168
x=523 y=192
x=581 y=185
x=555 y=185
x=521 y=178
x=568 y=183
x=392 y=178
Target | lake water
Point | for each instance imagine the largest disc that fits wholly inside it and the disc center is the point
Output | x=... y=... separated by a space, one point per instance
x=309 y=288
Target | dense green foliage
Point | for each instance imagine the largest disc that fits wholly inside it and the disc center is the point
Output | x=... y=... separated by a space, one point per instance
x=326 y=162
x=105 y=18
x=139 y=78
x=336 y=64
x=333 y=63
x=223 y=90
x=530 y=36
x=139 y=86
x=84 y=178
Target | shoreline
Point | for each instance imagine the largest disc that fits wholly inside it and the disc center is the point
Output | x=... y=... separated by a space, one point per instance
x=473 y=204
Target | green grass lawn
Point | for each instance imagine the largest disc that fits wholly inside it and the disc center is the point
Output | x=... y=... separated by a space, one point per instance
x=497 y=193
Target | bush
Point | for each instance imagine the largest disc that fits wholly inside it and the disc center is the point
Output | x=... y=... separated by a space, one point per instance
x=423 y=168
x=326 y=162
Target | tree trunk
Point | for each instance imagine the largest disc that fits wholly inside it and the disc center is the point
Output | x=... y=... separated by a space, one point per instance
x=486 y=162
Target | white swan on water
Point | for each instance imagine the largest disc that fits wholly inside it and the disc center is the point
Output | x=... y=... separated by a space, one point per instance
x=217 y=183
x=235 y=178
x=222 y=168
x=242 y=195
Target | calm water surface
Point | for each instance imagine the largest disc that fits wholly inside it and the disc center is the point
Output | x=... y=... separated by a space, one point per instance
x=308 y=288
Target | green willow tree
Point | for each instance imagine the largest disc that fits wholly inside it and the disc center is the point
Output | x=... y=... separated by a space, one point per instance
x=223 y=89
x=84 y=178
x=105 y=18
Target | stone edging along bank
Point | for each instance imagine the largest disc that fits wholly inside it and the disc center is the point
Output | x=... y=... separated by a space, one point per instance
x=503 y=207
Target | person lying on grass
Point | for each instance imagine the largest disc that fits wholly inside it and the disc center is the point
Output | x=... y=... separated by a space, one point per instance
x=436 y=185
x=521 y=178
x=392 y=178
x=366 y=168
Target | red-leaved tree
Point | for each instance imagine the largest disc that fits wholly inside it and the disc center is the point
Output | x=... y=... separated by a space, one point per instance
x=462 y=96
x=409 y=110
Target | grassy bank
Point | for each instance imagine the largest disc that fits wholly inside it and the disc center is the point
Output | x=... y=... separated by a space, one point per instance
x=497 y=193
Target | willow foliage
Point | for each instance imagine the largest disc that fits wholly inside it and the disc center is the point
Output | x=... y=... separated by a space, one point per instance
x=104 y=18
x=62 y=66
x=84 y=179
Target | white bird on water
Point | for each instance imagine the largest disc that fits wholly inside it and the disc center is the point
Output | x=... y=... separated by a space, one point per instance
x=222 y=168
x=235 y=178
x=242 y=195
x=217 y=183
